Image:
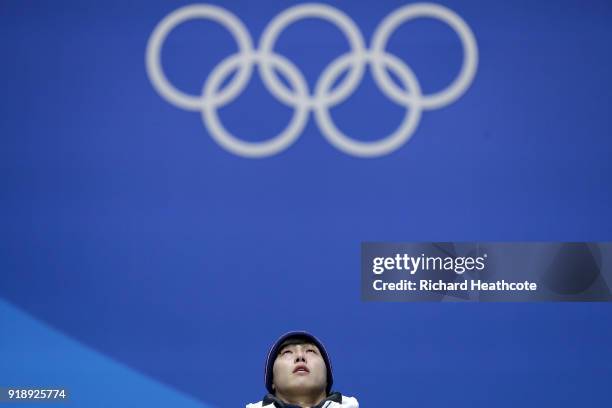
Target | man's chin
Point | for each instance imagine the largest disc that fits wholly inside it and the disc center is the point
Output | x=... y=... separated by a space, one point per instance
x=303 y=384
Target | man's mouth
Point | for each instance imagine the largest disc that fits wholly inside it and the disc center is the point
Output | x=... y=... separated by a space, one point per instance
x=301 y=369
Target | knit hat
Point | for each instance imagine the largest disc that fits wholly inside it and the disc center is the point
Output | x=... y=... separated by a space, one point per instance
x=307 y=338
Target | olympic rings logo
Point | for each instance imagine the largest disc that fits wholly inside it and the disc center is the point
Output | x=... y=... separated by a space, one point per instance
x=299 y=96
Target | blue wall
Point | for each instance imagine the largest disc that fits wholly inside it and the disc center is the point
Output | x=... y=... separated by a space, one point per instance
x=130 y=236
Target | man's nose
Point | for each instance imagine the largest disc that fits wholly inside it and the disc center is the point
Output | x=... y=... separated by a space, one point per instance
x=300 y=355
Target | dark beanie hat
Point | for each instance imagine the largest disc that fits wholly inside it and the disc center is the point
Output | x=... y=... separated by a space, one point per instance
x=308 y=338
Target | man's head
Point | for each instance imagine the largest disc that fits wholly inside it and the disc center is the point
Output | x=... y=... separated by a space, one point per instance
x=298 y=363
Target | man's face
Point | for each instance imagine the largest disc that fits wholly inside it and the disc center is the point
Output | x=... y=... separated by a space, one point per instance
x=299 y=368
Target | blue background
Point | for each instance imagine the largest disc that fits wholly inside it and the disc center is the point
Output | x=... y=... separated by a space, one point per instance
x=139 y=257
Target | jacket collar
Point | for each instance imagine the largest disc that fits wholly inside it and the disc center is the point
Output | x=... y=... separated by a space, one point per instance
x=271 y=399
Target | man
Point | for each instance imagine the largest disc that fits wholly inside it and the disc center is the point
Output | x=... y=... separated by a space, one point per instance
x=298 y=374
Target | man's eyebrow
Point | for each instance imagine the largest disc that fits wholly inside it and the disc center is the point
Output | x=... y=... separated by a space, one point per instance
x=280 y=350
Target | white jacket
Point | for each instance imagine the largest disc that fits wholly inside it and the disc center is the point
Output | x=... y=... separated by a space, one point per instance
x=347 y=402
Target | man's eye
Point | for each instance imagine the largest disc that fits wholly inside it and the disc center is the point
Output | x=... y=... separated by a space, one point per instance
x=313 y=350
x=286 y=351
